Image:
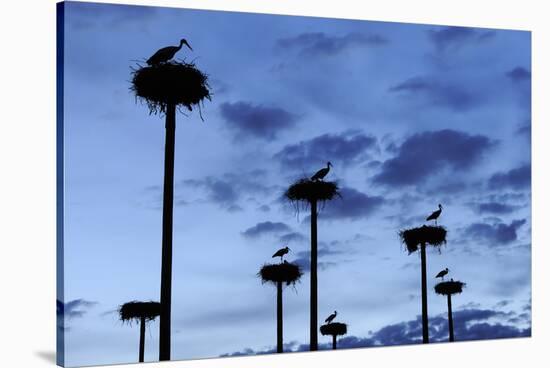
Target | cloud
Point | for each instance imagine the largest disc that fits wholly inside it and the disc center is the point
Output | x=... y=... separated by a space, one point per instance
x=425 y=154
x=90 y=15
x=519 y=74
x=341 y=149
x=303 y=258
x=228 y=189
x=292 y=237
x=321 y=44
x=494 y=208
x=432 y=91
x=469 y=324
x=256 y=121
x=447 y=38
x=352 y=205
x=517 y=178
x=267 y=227
x=499 y=233
x=75 y=308
x=219 y=191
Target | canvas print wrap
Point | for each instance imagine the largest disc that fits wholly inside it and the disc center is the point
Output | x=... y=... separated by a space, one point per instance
x=238 y=184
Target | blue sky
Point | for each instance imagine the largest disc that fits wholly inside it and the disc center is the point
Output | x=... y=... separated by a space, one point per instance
x=410 y=116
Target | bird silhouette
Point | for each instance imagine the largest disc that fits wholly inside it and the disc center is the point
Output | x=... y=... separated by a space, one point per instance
x=435 y=215
x=281 y=252
x=167 y=53
x=331 y=317
x=319 y=175
x=442 y=274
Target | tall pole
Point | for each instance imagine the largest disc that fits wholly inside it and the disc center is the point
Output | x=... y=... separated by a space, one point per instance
x=451 y=326
x=142 y=339
x=279 y=317
x=333 y=342
x=425 y=335
x=313 y=344
x=167 y=223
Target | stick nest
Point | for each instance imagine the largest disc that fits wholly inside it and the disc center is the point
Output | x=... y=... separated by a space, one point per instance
x=308 y=190
x=449 y=287
x=432 y=235
x=334 y=329
x=135 y=310
x=288 y=273
x=172 y=82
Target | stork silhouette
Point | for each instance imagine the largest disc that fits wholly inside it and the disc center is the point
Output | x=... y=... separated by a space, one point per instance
x=319 y=175
x=435 y=215
x=442 y=274
x=281 y=253
x=167 y=53
x=331 y=317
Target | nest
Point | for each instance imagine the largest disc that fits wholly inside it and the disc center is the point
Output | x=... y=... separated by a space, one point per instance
x=432 y=235
x=449 y=287
x=174 y=82
x=334 y=329
x=136 y=310
x=288 y=273
x=308 y=190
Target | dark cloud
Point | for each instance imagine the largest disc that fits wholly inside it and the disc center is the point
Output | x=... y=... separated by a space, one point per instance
x=228 y=189
x=446 y=38
x=264 y=208
x=256 y=121
x=219 y=191
x=519 y=74
x=352 y=205
x=497 y=234
x=75 y=308
x=267 y=227
x=90 y=15
x=341 y=149
x=518 y=178
x=425 y=154
x=324 y=251
x=494 y=208
x=292 y=237
x=321 y=44
x=433 y=91
x=525 y=128
x=469 y=324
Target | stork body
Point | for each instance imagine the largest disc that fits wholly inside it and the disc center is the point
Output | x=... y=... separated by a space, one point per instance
x=319 y=175
x=167 y=53
x=435 y=215
x=331 y=317
x=281 y=253
x=442 y=274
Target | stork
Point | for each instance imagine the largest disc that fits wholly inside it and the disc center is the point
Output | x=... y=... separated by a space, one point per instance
x=319 y=175
x=435 y=214
x=281 y=252
x=331 y=317
x=442 y=274
x=167 y=53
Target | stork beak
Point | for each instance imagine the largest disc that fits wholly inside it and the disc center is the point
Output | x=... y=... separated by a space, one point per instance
x=188 y=45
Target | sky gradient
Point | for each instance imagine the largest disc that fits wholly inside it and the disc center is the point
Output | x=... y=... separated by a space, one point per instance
x=410 y=116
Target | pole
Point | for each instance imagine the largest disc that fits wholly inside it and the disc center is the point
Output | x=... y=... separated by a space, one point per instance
x=279 y=317
x=142 y=339
x=313 y=344
x=167 y=224
x=451 y=326
x=333 y=342
x=425 y=335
